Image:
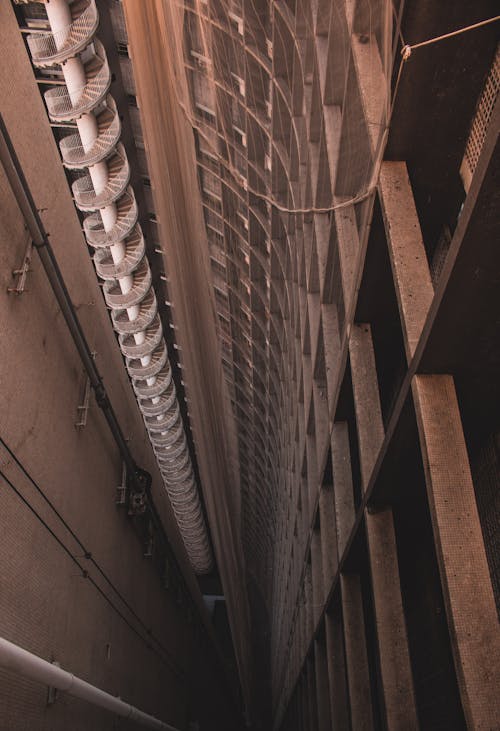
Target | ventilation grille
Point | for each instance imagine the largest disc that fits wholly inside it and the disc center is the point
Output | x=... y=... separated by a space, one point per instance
x=481 y=121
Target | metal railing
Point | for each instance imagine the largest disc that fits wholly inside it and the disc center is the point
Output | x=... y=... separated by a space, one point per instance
x=135 y=249
x=75 y=156
x=93 y=226
x=49 y=48
x=85 y=195
x=58 y=100
x=127 y=286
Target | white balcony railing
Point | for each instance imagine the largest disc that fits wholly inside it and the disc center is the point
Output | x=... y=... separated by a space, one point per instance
x=93 y=226
x=135 y=249
x=62 y=108
x=73 y=153
x=86 y=197
x=114 y=296
x=48 y=49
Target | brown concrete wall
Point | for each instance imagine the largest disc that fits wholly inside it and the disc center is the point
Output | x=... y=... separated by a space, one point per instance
x=46 y=605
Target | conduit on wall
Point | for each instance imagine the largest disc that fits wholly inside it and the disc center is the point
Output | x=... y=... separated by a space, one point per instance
x=111 y=228
x=18 y=660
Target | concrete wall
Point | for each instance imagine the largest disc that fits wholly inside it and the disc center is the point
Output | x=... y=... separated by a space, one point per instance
x=46 y=605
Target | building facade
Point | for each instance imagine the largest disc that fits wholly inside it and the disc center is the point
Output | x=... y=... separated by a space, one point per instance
x=292 y=209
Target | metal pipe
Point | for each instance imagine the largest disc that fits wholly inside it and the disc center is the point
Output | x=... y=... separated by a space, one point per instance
x=18 y=660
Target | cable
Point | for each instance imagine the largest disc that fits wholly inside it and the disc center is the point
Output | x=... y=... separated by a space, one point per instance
x=407 y=50
x=170 y=663
x=85 y=574
x=87 y=554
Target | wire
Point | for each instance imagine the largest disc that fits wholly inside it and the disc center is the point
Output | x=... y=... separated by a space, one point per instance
x=407 y=50
x=170 y=662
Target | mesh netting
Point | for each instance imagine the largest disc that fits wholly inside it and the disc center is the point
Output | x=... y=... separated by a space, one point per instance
x=266 y=123
x=289 y=104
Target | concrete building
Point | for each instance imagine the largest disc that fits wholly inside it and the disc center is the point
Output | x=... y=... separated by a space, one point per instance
x=262 y=490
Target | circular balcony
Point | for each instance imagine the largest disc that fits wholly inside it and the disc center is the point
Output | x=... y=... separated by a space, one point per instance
x=163 y=403
x=62 y=108
x=177 y=478
x=163 y=382
x=158 y=359
x=109 y=130
x=168 y=440
x=48 y=49
x=86 y=198
x=147 y=311
x=167 y=421
x=127 y=211
x=135 y=249
x=153 y=335
x=173 y=449
x=114 y=296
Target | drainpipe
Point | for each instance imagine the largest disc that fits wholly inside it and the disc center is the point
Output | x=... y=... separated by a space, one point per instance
x=22 y=662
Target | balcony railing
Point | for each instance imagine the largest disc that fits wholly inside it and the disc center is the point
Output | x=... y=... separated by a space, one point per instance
x=135 y=249
x=85 y=195
x=93 y=226
x=48 y=49
x=60 y=106
x=114 y=296
x=73 y=153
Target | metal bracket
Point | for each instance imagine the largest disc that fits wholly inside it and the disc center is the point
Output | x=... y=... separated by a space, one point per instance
x=22 y=272
x=52 y=692
x=83 y=408
x=137 y=503
x=121 y=490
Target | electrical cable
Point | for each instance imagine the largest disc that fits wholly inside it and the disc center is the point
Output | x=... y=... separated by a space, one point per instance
x=406 y=51
x=85 y=574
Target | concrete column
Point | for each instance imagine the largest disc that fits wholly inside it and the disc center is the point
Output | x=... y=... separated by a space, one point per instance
x=349 y=246
x=463 y=566
x=311 y=694
x=358 y=675
x=322 y=687
x=394 y=656
x=343 y=488
x=318 y=587
x=412 y=279
x=304 y=703
x=336 y=669
x=329 y=551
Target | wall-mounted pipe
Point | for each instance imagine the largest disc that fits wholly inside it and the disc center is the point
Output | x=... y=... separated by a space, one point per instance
x=22 y=662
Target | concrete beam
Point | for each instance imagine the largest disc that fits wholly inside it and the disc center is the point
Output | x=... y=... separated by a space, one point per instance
x=395 y=668
x=407 y=255
x=322 y=687
x=336 y=670
x=356 y=654
x=463 y=566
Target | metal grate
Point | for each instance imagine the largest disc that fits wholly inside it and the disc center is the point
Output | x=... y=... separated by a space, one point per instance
x=481 y=121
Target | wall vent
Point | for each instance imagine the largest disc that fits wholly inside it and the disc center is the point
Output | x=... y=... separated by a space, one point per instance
x=482 y=118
